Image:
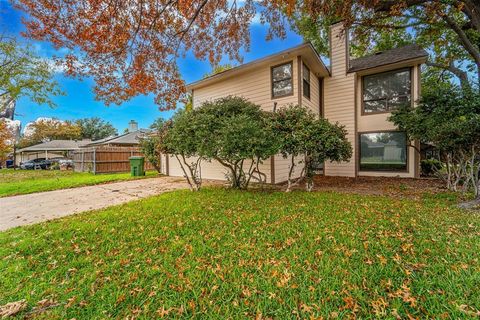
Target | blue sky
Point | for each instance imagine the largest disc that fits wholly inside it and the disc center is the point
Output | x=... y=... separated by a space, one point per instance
x=79 y=100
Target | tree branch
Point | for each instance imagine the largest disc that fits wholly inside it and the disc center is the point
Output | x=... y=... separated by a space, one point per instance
x=460 y=74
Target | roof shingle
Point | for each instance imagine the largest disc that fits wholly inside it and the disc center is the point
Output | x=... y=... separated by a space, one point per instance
x=382 y=58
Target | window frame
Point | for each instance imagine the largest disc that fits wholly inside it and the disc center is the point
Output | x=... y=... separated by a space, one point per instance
x=272 y=82
x=359 y=152
x=304 y=66
x=409 y=69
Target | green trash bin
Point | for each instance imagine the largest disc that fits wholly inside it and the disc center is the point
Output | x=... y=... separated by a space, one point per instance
x=137 y=166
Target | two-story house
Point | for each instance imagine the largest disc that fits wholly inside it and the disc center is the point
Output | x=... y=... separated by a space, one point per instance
x=357 y=93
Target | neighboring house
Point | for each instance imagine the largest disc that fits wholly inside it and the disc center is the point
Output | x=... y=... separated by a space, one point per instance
x=130 y=139
x=358 y=94
x=49 y=150
x=111 y=154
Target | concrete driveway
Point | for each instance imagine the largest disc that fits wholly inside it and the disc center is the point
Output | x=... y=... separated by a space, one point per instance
x=37 y=207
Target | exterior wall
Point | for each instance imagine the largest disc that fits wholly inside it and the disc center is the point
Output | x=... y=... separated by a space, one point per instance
x=253 y=85
x=339 y=98
x=256 y=87
x=214 y=170
x=282 y=167
x=379 y=122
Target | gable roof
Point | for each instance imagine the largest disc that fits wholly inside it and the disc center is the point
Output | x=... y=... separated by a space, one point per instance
x=409 y=52
x=126 y=139
x=59 y=145
x=305 y=49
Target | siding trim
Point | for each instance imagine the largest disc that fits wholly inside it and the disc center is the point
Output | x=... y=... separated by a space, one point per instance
x=356 y=141
x=299 y=79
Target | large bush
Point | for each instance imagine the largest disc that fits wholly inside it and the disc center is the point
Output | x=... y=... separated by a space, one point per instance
x=302 y=135
x=240 y=136
x=181 y=137
x=237 y=134
x=448 y=118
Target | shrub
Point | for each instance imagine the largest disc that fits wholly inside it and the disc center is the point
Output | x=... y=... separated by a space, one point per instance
x=449 y=119
x=237 y=134
x=182 y=137
x=150 y=149
x=301 y=134
x=430 y=167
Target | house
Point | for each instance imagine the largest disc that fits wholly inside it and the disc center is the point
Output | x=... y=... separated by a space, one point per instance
x=129 y=139
x=357 y=93
x=111 y=154
x=49 y=150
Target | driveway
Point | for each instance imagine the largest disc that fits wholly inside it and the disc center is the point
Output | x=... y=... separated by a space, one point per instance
x=37 y=207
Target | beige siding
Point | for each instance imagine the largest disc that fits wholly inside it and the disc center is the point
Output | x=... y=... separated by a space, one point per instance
x=256 y=87
x=339 y=91
x=214 y=170
x=253 y=85
x=282 y=167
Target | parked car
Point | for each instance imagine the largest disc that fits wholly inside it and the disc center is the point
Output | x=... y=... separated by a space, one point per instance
x=39 y=163
x=61 y=163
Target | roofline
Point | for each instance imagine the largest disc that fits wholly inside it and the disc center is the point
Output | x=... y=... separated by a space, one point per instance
x=257 y=61
x=27 y=149
x=422 y=57
x=100 y=142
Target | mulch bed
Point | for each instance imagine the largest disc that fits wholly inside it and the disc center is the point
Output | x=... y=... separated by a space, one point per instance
x=404 y=187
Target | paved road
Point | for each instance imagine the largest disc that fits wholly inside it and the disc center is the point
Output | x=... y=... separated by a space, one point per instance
x=37 y=207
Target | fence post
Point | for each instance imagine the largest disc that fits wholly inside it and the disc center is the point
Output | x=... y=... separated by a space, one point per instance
x=83 y=161
x=94 y=160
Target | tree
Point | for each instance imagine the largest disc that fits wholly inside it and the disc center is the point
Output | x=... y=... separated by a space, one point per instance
x=130 y=48
x=22 y=74
x=314 y=140
x=448 y=118
x=51 y=129
x=158 y=124
x=95 y=128
x=237 y=134
x=150 y=143
x=181 y=137
x=6 y=140
x=449 y=29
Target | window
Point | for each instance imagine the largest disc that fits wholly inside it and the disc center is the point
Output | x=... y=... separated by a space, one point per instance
x=383 y=151
x=282 y=84
x=386 y=91
x=306 y=82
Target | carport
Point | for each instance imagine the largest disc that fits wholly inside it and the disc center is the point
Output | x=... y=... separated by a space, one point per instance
x=49 y=150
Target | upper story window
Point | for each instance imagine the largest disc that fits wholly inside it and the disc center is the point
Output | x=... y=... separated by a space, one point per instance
x=384 y=92
x=306 y=82
x=282 y=80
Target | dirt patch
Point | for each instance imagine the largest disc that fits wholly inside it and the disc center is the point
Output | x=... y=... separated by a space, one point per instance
x=404 y=187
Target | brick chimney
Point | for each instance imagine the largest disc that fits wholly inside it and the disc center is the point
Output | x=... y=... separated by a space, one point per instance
x=132 y=126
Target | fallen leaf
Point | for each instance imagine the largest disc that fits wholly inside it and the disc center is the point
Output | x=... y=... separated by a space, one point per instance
x=12 y=308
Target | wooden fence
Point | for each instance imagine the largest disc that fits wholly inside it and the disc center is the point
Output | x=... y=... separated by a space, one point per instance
x=106 y=159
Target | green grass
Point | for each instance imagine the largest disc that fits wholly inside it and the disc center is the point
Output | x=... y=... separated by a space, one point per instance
x=15 y=182
x=226 y=254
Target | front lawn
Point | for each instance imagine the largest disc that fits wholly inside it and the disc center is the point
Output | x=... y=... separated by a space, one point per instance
x=15 y=182
x=227 y=254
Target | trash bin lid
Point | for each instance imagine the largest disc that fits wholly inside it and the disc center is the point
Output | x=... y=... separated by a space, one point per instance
x=135 y=158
